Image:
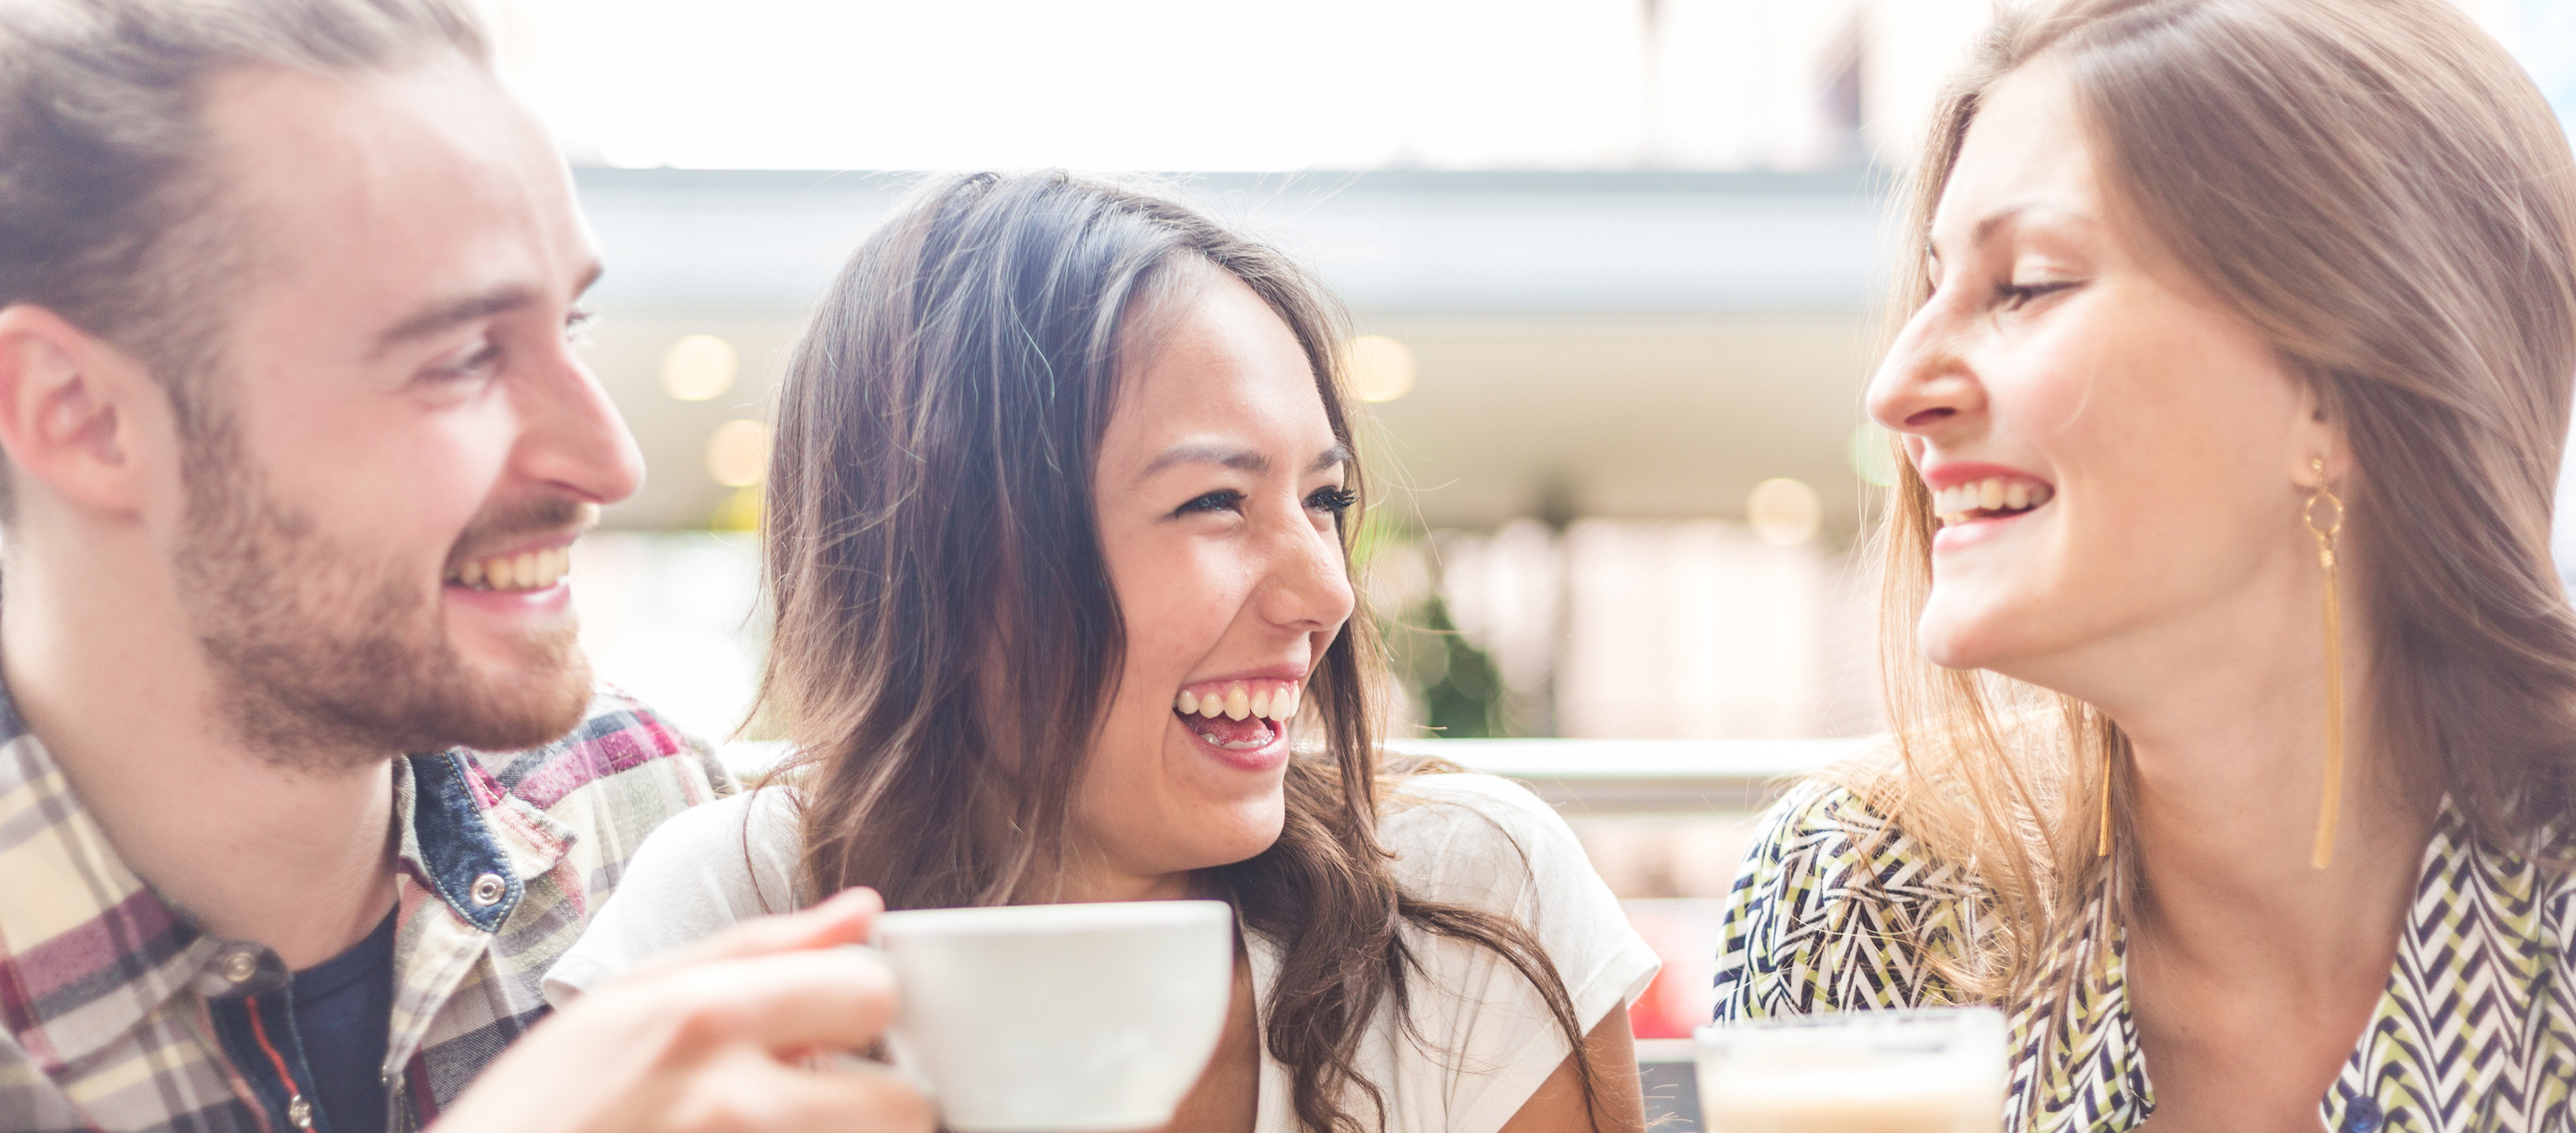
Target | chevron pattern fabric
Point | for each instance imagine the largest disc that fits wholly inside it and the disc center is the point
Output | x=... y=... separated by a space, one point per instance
x=2475 y=1033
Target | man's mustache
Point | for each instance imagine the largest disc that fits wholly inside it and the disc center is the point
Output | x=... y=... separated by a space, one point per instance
x=505 y=525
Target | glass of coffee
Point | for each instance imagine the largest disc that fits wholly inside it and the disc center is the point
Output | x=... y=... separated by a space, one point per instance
x=1938 y=1070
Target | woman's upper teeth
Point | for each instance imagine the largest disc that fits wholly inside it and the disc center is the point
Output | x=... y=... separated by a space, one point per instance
x=1995 y=493
x=527 y=570
x=1270 y=700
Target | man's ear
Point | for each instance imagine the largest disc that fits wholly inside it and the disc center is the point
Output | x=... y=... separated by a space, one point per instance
x=61 y=394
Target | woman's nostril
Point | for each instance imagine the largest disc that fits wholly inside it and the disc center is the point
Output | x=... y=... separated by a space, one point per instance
x=1928 y=416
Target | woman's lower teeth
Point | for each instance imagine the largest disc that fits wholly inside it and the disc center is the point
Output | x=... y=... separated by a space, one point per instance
x=1244 y=735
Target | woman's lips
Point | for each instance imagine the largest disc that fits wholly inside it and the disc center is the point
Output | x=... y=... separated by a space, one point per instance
x=1968 y=532
x=1989 y=497
x=1241 y=722
x=1250 y=744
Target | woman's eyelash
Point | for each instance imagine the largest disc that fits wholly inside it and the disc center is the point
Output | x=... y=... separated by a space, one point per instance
x=1334 y=500
x=2015 y=295
x=1214 y=501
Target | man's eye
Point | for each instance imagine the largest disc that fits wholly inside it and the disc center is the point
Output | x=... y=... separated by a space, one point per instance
x=1335 y=500
x=1227 y=500
x=577 y=326
x=480 y=363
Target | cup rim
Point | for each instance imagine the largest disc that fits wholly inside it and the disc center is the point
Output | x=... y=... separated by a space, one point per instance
x=1974 y=1018
x=1013 y=920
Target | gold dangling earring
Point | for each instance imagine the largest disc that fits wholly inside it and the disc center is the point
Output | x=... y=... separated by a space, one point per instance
x=2325 y=531
x=2102 y=849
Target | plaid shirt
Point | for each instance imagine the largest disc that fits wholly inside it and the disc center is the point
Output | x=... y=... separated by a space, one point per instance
x=109 y=995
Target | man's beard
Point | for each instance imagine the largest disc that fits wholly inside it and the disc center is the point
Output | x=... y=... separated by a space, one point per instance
x=327 y=658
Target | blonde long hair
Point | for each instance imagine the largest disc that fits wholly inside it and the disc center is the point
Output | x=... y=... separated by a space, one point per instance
x=2380 y=193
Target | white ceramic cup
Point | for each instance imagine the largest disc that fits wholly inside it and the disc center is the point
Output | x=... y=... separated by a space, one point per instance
x=1090 y=1018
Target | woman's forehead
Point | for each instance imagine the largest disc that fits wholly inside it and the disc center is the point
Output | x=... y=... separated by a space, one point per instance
x=2025 y=154
x=1220 y=363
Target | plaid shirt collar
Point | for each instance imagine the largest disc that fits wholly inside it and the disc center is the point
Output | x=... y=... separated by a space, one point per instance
x=104 y=983
x=458 y=827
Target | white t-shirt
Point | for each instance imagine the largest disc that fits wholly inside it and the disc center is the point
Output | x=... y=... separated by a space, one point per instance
x=1466 y=839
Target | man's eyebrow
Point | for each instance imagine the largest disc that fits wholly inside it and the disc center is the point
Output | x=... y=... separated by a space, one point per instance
x=447 y=313
x=439 y=316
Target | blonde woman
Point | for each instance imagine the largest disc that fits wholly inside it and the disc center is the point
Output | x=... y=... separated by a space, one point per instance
x=2234 y=695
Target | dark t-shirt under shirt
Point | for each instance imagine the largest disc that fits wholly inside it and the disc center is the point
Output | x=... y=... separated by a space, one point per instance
x=344 y=1010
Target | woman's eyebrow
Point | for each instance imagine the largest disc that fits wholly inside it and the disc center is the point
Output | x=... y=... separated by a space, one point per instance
x=1238 y=458
x=1985 y=228
x=1195 y=452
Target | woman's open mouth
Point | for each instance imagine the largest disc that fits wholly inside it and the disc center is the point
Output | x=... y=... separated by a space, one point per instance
x=1995 y=497
x=1238 y=716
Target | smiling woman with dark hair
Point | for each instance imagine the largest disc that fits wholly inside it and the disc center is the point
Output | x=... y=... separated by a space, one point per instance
x=1059 y=541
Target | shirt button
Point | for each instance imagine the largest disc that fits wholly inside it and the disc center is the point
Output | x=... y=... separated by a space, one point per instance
x=488 y=889
x=2362 y=1115
x=239 y=967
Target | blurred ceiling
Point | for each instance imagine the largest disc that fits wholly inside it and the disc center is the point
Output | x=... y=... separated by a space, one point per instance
x=1618 y=344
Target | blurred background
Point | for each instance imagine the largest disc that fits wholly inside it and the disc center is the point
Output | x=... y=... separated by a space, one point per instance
x=1612 y=264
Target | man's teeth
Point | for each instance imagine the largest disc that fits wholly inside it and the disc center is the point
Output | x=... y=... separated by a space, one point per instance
x=1958 y=504
x=1269 y=700
x=527 y=570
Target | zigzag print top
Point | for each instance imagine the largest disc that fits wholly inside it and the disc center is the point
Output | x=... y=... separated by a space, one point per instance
x=2476 y=1032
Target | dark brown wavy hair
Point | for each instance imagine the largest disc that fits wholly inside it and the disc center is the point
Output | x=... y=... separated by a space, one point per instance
x=945 y=618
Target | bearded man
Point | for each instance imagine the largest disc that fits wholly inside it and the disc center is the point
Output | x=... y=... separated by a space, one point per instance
x=297 y=447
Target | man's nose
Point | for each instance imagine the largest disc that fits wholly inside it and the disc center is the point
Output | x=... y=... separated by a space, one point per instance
x=573 y=437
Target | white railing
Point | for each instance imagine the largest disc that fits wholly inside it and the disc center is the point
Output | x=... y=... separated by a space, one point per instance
x=1585 y=776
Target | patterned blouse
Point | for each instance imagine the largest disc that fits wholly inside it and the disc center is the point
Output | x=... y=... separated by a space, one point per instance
x=2476 y=1032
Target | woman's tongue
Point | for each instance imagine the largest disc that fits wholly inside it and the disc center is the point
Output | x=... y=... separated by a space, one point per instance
x=1227 y=730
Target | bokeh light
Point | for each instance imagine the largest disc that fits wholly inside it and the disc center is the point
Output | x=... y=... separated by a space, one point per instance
x=1381 y=367
x=1784 y=512
x=1873 y=455
x=738 y=453
x=699 y=367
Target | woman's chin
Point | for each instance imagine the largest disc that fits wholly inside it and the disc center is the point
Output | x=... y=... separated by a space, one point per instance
x=1246 y=834
x=1957 y=639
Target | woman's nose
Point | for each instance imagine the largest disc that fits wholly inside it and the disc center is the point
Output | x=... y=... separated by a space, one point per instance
x=1310 y=586
x=1925 y=381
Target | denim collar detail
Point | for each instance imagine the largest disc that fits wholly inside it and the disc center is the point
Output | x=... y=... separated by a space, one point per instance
x=455 y=846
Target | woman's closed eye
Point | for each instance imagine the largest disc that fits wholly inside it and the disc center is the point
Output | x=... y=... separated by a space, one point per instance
x=2015 y=296
x=1225 y=499
x=1333 y=500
